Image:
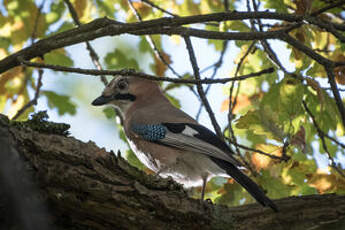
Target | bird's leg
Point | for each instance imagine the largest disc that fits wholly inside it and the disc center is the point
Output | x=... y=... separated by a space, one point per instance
x=204 y=182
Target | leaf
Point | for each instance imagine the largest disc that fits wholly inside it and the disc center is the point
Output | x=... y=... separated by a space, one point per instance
x=316 y=86
x=144 y=46
x=160 y=67
x=80 y=7
x=133 y=160
x=11 y=81
x=58 y=57
x=109 y=112
x=339 y=71
x=143 y=9
x=189 y=7
x=3 y=100
x=325 y=182
x=261 y=161
x=118 y=60
x=303 y=6
x=278 y=5
x=173 y=100
x=299 y=139
x=243 y=101
x=274 y=186
x=58 y=8
x=61 y=102
x=21 y=100
x=106 y=7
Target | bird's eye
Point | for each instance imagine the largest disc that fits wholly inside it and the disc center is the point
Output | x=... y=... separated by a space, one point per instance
x=122 y=85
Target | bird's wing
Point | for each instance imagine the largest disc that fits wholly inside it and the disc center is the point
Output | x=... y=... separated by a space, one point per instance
x=186 y=136
x=196 y=138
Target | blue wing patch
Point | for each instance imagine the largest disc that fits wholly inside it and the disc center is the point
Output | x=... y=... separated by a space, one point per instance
x=150 y=132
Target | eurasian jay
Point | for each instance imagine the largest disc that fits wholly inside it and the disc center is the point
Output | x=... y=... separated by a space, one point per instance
x=170 y=142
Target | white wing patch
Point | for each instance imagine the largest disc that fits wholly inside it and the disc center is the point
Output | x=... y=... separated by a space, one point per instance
x=193 y=144
x=189 y=131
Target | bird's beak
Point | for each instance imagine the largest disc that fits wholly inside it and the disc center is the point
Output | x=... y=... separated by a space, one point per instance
x=101 y=100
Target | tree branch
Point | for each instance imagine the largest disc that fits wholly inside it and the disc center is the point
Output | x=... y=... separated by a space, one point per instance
x=200 y=88
x=131 y=72
x=35 y=99
x=322 y=137
x=86 y=186
x=92 y=52
x=107 y=27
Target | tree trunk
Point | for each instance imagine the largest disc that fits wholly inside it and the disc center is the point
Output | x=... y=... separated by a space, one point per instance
x=84 y=187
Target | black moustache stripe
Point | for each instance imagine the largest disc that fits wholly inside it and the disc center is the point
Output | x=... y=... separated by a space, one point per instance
x=126 y=96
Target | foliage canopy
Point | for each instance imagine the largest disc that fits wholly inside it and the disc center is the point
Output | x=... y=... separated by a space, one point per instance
x=288 y=118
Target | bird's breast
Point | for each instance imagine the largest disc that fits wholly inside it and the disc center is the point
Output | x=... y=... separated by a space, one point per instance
x=152 y=155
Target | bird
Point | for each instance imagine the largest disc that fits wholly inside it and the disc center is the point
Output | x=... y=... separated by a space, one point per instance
x=170 y=142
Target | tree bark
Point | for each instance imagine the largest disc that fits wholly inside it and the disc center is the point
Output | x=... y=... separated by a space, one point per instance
x=58 y=182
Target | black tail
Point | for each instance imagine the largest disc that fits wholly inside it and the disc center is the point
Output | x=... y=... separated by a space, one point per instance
x=246 y=182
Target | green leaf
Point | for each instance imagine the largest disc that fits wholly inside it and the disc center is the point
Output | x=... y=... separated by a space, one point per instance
x=4 y=42
x=58 y=57
x=118 y=60
x=278 y=5
x=61 y=102
x=133 y=160
x=144 y=46
x=106 y=8
x=173 y=100
x=274 y=186
x=3 y=100
x=109 y=112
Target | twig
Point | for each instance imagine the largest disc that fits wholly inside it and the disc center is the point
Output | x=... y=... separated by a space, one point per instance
x=331 y=6
x=40 y=71
x=155 y=48
x=169 y=13
x=329 y=88
x=269 y=51
x=322 y=137
x=39 y=12
x=200 y=88
x=285 y=158
x=216 y=65
x=226 y=5
x=328 y=65
x=153 y=44
x=232 y=136
x=335 y=91
x=94 y=56
x=131 y=72
x=35 y=99
x=159 y=8
x=104 y=26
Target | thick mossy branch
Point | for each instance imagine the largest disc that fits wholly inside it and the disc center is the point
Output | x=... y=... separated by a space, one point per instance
x=89 y=188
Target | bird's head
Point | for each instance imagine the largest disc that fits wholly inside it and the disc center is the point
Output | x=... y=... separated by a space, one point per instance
x=124 y=91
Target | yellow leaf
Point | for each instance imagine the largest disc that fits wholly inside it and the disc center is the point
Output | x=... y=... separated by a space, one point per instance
x=160 y=67
x=142 y=8
x=80 y=6
x=3 y=100
x=323 y=181
x=18 y=103
x=261 y=161
x=9 y=75
x=242 y=101
x=176 y=39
